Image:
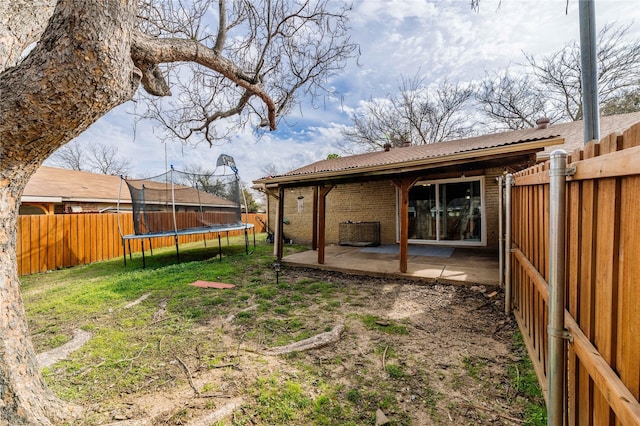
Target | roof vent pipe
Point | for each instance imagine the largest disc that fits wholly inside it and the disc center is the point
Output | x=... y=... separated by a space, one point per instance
x=543 y=122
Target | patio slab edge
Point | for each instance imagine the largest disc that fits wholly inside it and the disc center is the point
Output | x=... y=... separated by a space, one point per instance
x=396 y=275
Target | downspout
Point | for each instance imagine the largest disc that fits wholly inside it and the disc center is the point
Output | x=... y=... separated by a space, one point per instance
x=556 y=329
x=501 y=229
x=507 y=247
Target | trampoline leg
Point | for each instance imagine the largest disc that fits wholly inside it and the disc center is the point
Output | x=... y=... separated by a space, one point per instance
x=227 y=237
x=254 y=237
x=150 y=247
x=144 y=264
x=177 y=251
x=220 y=246
x=204 y=239
x=129 y=243
x=124 y=250
x=246 y=241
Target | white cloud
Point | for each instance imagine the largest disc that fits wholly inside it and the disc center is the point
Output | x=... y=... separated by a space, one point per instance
x=397 y=37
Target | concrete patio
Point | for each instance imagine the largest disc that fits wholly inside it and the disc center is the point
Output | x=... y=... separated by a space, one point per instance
x=464 y=265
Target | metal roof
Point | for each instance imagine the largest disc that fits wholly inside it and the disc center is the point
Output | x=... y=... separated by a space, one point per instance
x=566 y=135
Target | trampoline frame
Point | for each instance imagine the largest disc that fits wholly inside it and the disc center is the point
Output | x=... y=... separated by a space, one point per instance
x=190 y=231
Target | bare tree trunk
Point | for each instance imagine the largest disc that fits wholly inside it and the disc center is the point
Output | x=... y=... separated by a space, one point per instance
x=25 y=22
x=89 y=59
x=25 y=398
x=80 y=69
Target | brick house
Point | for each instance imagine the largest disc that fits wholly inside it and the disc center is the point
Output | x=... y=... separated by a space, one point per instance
x=444 y=194
x=53 y=190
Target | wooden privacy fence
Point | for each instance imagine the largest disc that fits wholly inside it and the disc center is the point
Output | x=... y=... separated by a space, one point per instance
x=602 y=278
x=47 y=242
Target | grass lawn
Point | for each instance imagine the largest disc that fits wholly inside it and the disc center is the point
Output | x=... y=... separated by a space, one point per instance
x=181 y=351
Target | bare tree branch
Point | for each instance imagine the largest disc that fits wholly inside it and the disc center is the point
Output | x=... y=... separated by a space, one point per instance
x=95 y=158
x=104 y=159
x=70 y=156
x=551 y=86
x=92 y=56
x=416 y=114
x=279 y=50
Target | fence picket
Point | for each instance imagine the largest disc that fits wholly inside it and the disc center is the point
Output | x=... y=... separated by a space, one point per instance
x=602 y=277
x=48 y=242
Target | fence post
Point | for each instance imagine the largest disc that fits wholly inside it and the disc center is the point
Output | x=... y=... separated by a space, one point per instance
x=556 y=330
x=507 y=247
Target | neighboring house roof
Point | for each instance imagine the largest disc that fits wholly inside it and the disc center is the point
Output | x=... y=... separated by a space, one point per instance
x=573 y=132
x=51 y=184
x=460 y=151
x=54 y=185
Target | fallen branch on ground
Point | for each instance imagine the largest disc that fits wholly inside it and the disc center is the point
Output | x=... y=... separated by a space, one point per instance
x=137 y=301
x=47 y=359
x=492 y=411
x=384 y=356
x=131 y=360
x=314 y=342
x=219 y=414
x=188 y=373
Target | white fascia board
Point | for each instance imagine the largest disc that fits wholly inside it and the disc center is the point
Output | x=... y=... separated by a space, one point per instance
x=40 y=199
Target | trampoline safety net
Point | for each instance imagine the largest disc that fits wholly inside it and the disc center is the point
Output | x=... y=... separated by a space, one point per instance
x=181 y=202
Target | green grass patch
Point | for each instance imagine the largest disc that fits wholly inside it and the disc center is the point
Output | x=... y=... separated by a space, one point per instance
x=525 y=383
x=395 y=371
x=474 y=367
x=138 y=350
x=287 y=401
x=373 y=322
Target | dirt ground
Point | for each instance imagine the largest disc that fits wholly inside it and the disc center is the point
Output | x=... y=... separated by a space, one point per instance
x=432 y=355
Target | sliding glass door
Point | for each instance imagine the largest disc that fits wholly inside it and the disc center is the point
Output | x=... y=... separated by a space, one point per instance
x=447 y=211
x=422 y=218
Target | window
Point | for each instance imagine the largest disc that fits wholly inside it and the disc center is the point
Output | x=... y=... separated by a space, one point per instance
x=447 y=212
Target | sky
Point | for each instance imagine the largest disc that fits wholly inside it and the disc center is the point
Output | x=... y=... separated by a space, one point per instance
x=437 y=39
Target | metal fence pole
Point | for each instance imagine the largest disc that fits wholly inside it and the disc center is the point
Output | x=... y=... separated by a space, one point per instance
x=556 y=330
x=501 y=229
x=589 y=72
x=507 y=247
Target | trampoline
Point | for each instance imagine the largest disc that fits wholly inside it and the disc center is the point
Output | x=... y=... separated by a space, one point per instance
x=178 y=203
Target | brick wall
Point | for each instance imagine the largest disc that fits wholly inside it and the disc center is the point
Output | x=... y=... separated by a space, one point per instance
x=366 y=202
x=363 y=202
x=358 y=202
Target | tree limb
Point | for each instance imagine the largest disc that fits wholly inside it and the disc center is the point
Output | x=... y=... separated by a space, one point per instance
x=313 y=342
x=151 y=50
